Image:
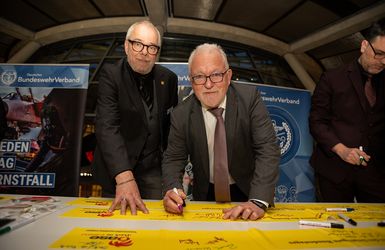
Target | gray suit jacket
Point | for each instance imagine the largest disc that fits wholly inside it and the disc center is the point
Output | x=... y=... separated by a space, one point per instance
x=253 y=153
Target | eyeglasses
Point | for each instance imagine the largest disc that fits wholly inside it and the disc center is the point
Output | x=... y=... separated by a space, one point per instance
x=138 y=47
x=214 y=78
x=377 y=55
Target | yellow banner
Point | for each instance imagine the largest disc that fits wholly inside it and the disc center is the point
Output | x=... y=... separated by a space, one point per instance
x=96 y=238
x=92 y=238
x=196 y=211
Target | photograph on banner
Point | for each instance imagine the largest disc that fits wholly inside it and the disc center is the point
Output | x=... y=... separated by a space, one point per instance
x=44 y=108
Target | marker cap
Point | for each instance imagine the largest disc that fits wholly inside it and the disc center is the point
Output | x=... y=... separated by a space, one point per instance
x=336 y=225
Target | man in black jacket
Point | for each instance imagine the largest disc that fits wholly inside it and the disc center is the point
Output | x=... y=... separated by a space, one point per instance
x=135 y=98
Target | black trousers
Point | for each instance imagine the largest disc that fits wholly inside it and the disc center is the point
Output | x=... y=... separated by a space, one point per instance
x=363 y=184
x=235 y=193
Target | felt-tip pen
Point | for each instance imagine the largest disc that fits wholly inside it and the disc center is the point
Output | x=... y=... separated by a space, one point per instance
x=347 y=219
x=381 y=223
x=16 y=224
x=321 y=224
x=361 y=157
x=180 y=206
x=339 y=209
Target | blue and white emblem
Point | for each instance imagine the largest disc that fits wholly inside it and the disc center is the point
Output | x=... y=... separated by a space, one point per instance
x=287 y=132
x=8 y=77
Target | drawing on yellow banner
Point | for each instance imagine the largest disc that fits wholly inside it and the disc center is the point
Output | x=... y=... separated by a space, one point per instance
x=188 y=215
x=91 y=202
x=197 y=211
x=104 y=202
x=83 y=212
x=324 y=238
x=367 y=212
x=93 y=238
x=96 y=238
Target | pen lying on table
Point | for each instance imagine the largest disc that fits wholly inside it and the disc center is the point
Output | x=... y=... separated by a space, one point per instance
x=347 y=219
x=16 y=224
x=320 y=224
x=339 y=209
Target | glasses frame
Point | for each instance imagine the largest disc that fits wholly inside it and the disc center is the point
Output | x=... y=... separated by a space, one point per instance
x=209 y=76
x=144 y=45
x=376 y=55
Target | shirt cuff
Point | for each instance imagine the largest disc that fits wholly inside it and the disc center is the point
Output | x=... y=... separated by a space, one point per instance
x=263 y=202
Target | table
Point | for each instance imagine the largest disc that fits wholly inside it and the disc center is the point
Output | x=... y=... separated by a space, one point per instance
x=162 y=232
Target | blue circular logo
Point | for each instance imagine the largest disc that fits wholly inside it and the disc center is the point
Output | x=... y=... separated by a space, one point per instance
x=287 y=131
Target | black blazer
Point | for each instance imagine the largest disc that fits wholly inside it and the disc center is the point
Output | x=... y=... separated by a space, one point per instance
x=121 y=122
x=253 y=153
x=340 y=112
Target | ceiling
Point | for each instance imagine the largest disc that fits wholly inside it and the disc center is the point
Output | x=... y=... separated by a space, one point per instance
x=326 y=31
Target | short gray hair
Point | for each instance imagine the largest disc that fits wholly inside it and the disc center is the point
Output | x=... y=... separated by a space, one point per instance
x=146 y=23
x=208 y=47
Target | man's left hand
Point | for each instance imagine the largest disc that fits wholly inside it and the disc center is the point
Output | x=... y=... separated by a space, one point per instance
x=245 y=211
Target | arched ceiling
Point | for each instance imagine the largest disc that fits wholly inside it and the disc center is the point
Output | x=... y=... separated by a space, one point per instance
x=324 y=30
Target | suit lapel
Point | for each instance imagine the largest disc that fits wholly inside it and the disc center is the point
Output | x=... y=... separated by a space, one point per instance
x=198 y=135
x=230 y=121
x=355 y=77
x=129 y=86
x=159 y=83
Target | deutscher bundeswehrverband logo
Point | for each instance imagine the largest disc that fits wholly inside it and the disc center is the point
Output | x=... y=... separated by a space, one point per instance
x=8 y=77
x=287 y=132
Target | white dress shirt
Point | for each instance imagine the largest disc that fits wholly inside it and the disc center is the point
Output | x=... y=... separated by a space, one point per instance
x=210 y=123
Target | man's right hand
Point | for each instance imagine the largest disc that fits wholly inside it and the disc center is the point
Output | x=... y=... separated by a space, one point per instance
x=172 y=201
x=351 y=155
x=127 y=194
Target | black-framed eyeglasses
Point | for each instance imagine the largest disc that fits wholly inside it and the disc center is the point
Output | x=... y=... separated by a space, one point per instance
x=138 y=47
x=377 y=55
x=214 y=78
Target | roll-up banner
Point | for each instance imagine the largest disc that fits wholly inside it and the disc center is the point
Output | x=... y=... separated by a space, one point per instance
x=44 y=109
x=289 y=111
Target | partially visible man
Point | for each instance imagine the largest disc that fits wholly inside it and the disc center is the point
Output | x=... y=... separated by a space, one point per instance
x=250 y=152
x=135 y=97
x=347 y=120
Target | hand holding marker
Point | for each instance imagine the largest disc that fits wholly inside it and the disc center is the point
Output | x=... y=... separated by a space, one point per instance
x=180 y=206
x=361 y=157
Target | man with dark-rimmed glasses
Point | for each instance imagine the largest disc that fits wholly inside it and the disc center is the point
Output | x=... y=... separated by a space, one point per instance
x=135 y=97
x=226 y=132
x=347 y=120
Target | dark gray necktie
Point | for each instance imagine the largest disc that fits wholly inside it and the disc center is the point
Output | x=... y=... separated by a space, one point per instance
x=144 y=92
x=370 y=91
x=221 y=170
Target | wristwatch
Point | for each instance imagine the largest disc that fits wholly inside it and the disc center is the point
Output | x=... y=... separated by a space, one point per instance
x=259 y=204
